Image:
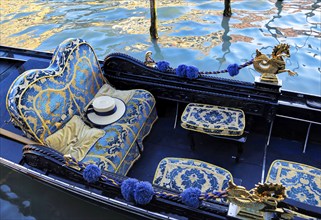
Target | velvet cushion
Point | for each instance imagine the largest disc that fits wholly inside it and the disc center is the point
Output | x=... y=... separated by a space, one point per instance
x=75 y=138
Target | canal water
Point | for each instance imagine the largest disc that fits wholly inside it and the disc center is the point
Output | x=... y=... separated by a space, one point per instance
x=24 y=198
x=191 y=32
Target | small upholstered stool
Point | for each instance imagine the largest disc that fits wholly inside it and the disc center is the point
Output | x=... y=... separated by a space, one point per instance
x=215 y=120
x=302 y=182
x=181 y=173
x=218 y=121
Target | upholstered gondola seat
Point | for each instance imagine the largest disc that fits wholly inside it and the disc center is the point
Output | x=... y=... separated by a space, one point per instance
x=42 y=102
x=302 y=182
x=182 y=173
x=217 y=121
x=213 y=120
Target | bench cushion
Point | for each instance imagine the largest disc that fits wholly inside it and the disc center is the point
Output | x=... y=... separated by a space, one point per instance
x=122 y=144
x=213 y=120
x=182 y=173
x=302 y=182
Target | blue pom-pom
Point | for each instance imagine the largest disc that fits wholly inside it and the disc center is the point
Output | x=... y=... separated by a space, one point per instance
x=127 y=189
x=191 y=72
x=181 y=70
x=162 y=65
x=91 y=173
x=143 y=193
x=190 y=197
x=233 y=69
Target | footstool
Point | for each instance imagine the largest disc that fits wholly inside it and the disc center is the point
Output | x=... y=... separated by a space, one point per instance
x=182 y=173
x=223 y=122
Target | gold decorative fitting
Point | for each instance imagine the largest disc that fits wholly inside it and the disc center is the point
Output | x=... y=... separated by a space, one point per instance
x=269 y=67
x=263 y=197
x=149 y=60
x=272 y=190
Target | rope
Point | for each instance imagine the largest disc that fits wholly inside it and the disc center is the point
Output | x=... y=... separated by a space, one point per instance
x=248 y=63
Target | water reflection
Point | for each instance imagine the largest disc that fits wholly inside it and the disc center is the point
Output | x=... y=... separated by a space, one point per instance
x=158 y=52
x=314 y=7
x=26 y=199
x=12 y=205
x=191 y=31
x=279 y=6
x=226 y=39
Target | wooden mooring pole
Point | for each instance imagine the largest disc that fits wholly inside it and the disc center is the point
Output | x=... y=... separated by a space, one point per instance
x=153 y=20
x=227 y=8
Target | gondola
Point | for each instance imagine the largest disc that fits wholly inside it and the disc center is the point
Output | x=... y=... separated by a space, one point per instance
x=175 y=143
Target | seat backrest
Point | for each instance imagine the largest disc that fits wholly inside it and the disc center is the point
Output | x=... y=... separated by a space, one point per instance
x=40 y=101
x=302 y=182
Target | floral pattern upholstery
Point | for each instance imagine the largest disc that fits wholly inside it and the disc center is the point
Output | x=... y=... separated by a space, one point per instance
x=41 y=101
x=213 y=120
x=182 y=173
x=302 y=182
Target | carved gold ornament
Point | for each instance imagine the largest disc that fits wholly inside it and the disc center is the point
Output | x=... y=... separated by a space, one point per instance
x=269 y=67
x=263 y=197
x=149 y=60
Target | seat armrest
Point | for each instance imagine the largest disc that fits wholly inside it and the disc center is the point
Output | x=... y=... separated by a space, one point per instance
x=31 y=151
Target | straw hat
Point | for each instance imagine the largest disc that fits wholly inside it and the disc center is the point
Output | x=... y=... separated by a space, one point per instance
x=105 y=110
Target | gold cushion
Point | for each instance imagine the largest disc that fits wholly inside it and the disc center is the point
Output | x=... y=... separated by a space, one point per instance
x=75 y=138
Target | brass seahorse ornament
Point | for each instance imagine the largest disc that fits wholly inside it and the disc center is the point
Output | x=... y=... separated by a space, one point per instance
x=269 y=67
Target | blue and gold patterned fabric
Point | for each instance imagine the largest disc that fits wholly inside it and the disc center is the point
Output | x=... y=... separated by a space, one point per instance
x=182 y=173
x=302 y=182
x=213 y=120
x=42 y=101
x=123 y=140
